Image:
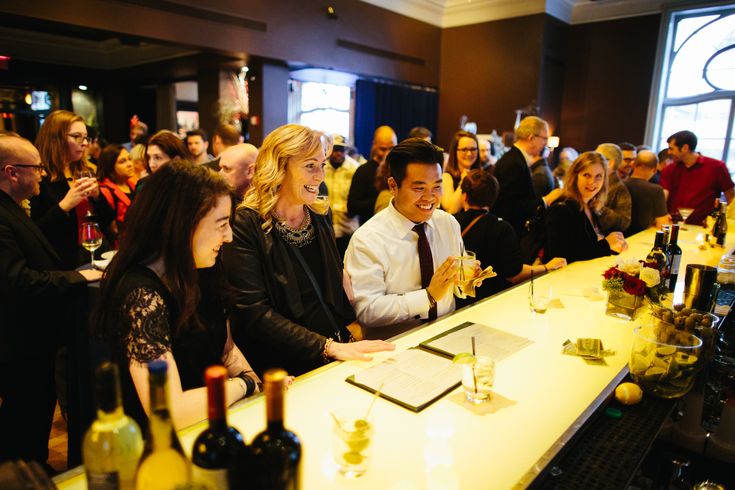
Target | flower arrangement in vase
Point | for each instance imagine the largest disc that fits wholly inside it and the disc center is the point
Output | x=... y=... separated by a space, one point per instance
x=628 y=282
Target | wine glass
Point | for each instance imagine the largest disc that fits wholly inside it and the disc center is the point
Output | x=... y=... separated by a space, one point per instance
x=685 y=213
x=84 y=173
x=90 y=235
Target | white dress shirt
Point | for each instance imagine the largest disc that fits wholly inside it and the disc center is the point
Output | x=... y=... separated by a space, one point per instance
x=383 y=262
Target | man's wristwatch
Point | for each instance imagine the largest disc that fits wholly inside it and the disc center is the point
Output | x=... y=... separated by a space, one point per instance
x=432 y=301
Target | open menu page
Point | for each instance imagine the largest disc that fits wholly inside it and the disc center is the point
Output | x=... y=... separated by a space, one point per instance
x=489 y=341
x=413 y=378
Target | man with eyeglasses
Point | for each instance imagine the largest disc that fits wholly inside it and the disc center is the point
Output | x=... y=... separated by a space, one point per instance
x=34 y=297
x=517 y=201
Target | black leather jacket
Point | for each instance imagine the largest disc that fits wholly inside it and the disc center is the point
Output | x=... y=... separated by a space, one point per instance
x=267 y=298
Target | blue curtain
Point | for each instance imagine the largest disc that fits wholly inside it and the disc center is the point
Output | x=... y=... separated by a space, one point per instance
x=400 y=107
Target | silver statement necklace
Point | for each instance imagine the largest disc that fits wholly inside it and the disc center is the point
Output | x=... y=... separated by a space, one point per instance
x=300 y=236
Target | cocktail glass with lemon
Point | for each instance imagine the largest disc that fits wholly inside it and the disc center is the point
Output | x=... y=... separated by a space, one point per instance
x=466 y=270
x=351 y=445
x=478 y=376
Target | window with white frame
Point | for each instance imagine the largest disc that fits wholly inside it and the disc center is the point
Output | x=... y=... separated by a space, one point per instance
x=697 y=81
x=322 y=106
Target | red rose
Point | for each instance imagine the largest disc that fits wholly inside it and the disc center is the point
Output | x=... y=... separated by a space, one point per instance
x=633 y=285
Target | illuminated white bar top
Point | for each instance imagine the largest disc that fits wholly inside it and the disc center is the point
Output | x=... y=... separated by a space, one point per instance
x=548 y=395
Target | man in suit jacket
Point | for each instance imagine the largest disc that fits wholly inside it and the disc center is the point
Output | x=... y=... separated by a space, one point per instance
x=34 y=301
x=517 y=200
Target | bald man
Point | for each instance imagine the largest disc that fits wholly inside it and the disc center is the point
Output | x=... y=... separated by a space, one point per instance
x=363 y=193
x=34 y=299
x=237 y=166
x=649 y=202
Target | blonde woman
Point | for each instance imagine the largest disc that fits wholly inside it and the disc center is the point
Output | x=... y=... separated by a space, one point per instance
x=572 y=228
x=290 y=309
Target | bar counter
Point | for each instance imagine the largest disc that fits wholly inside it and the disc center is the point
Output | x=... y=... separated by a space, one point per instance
x=541 y=396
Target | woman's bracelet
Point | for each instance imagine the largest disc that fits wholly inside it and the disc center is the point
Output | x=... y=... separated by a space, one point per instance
x=325 y=352
x=249 y=383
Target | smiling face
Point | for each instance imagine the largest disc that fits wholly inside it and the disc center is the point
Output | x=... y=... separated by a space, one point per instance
x=303 y=175
x=420 y=191
x=156 y=158
x=76 y=141
x=466 y=153
x=211 y=232
x=124 y=168
x=590 y=181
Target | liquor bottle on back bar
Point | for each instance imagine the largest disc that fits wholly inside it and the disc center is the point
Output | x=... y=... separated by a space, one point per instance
x=711 y=224
x=113 y=443
x=722 y=228
x=276 y=451
x=673 y=251
x=657 y=253
x=219 y=446
x=164 y=465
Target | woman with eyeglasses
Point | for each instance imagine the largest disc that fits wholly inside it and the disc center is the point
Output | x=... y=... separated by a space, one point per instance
x=289 y=307
x=117 y=189
x=463 y=157
x=68 y=191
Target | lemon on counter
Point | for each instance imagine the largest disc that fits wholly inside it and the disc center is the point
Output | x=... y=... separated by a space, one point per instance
x=628 y=393
x=463 y=358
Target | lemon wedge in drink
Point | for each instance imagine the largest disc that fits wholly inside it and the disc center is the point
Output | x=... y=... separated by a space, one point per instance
x=463 y=358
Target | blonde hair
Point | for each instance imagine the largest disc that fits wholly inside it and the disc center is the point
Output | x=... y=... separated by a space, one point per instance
x=282 y=145
x=583 y=162
x=530 y=126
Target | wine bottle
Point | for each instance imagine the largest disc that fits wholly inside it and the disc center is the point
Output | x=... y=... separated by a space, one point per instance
x=218 y=447
x=711 y=224
x=164 y=465
x=276 y=452
x=674 y=253
x=113 y=443
x=657 y=254
x=722 y=228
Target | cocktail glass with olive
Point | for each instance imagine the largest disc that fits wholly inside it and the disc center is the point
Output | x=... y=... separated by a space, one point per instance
x=351 y=445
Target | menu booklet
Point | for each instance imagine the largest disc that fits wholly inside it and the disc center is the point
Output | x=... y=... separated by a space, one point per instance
x=419 y=376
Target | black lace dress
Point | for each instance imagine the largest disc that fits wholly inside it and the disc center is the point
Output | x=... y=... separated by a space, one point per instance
x=145 y=316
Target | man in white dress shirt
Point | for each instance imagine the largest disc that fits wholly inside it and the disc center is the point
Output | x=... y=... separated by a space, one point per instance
x=393 y=290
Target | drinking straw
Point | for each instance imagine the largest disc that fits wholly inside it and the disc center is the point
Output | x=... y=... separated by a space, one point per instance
x=474 y=376
x=375 y=397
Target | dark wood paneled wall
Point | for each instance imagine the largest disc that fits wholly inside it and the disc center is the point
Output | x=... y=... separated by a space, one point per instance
x=608 y=81
x=591 y=81
x=488 y=71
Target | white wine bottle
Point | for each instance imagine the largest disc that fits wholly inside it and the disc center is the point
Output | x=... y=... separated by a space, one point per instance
x=164 y=465
x=113 y=443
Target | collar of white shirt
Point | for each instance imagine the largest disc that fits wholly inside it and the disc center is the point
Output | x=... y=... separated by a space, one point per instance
x=403 y=225
x=529 y=158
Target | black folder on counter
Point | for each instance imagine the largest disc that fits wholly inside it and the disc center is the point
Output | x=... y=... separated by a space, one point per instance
x=417 y=377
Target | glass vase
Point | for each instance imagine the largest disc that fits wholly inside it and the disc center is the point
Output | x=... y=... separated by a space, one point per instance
x=623 y=305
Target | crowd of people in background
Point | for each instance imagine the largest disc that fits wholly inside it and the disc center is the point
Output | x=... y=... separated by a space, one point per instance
x=293 y=254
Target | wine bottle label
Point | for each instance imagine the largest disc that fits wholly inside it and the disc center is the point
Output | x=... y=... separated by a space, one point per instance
x=675 y=261
x=209 y=479
x=103 y=481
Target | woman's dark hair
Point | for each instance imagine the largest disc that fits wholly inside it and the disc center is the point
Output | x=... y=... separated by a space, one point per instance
x=412 y=150
x=170 y=144
x=161 y=224
x=106 y=162
x=452 y=167
x=481 y=188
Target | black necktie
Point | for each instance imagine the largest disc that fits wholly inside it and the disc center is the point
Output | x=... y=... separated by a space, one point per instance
x=426 y=263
